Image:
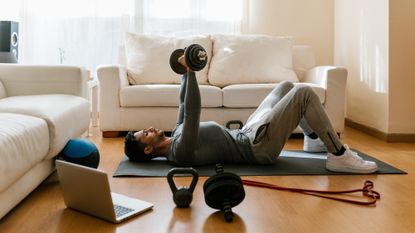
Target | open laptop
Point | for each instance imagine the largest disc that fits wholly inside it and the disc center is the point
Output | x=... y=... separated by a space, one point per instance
x=87 y=190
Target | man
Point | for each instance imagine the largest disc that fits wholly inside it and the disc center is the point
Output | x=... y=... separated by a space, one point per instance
x=259 y=142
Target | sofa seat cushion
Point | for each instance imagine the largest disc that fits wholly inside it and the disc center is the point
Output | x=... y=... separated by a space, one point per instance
x=166 y=95
x=67 y=116
x=251 y=95
x=24 y=141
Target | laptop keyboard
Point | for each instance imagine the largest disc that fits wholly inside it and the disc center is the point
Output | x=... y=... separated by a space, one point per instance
x=121 y=210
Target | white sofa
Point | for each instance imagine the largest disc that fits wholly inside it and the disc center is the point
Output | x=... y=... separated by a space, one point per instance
x=41 y=108
x=142 y=90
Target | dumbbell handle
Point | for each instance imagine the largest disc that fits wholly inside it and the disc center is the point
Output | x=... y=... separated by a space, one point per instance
x=227 y=211
x=182 y=61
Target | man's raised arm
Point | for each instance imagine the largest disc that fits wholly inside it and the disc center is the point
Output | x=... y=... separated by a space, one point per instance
x=182 y=93
x=191 y=118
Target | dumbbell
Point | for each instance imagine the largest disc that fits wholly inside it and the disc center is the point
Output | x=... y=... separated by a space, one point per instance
x=224 y=191
x=182 y=196
x=195 y=57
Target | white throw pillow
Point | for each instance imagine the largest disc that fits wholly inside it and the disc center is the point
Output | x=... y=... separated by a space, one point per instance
x=3 y=93
x=148 y=57
x=241 y=59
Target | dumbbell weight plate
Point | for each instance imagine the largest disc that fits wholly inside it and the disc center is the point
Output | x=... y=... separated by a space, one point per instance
x=174 y=64
x=224 y=186
x=196 y=57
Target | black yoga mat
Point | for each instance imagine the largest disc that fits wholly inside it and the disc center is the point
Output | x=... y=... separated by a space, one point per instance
x=289 y=163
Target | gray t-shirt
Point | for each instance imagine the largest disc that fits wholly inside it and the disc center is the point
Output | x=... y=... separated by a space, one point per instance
x=199 y=143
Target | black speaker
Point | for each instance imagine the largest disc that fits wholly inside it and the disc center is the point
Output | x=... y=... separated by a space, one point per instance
x=9 y=37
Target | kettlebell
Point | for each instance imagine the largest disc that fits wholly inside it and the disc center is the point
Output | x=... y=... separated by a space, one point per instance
x=182 y=196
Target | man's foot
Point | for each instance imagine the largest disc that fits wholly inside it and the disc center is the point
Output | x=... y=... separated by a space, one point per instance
x=350 y=162
x=313 y=145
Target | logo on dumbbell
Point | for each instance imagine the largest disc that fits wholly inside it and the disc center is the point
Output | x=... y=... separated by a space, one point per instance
x=202 y=55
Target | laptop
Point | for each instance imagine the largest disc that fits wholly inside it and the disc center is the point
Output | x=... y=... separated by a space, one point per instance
x=87 y=190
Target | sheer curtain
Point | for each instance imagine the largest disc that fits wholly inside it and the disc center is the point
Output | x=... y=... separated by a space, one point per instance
x=187 y=17
x=89 y=33
x=73 y=32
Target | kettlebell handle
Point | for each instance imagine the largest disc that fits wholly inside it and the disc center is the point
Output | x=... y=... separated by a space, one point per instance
x=174 y=171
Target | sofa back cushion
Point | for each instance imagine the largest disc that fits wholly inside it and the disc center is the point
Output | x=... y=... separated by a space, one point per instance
x=241 y=59
x=3 y=93
x=43 y=79
x=303 y=60
x=147 y=57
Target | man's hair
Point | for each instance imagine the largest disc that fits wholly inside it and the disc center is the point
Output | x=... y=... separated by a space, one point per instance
x=134 y=149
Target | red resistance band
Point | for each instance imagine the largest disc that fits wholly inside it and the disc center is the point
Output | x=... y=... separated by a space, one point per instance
x=367 y=191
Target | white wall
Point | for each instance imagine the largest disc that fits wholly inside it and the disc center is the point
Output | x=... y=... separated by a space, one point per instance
x=402 y=62
x=362 y=46
x=374 y=39
x=308 y=21
x=9 y=10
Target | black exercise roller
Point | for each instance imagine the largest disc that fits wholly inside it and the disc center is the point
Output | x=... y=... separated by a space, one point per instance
x=224 y=191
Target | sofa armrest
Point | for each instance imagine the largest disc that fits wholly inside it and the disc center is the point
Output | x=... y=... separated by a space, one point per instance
x=111 y=79
x=42 y=79
x=334 y=80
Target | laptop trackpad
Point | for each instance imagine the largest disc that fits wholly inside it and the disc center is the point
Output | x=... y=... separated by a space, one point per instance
x=137 y=205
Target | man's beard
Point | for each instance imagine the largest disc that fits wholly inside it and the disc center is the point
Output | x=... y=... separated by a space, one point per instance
x=160 y=135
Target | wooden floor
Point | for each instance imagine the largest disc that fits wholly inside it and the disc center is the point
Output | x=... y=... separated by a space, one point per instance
x=261 y=211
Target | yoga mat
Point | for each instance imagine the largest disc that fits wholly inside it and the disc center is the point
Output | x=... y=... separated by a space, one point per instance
x=289 y=163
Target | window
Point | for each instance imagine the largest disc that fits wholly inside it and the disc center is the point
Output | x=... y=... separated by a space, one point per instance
x=90 y=33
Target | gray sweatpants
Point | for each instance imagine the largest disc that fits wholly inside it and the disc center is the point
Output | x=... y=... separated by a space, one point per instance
x=286 y=107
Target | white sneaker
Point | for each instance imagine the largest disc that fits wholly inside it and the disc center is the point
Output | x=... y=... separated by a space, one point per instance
x=350 y=162
x=313 y=145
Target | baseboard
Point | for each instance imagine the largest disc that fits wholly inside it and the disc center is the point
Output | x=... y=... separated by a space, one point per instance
x=401 y=138
x=387 y=137
x=114 y=134
x=111 y=134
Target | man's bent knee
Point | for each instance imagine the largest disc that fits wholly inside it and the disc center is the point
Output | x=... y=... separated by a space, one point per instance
x=283 y=87
x=286 y=85
x=306 y=91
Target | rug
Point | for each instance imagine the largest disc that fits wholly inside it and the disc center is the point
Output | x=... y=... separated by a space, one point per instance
x=290 y=163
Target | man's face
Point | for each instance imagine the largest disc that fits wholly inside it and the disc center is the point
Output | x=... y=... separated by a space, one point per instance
x=150 y=136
